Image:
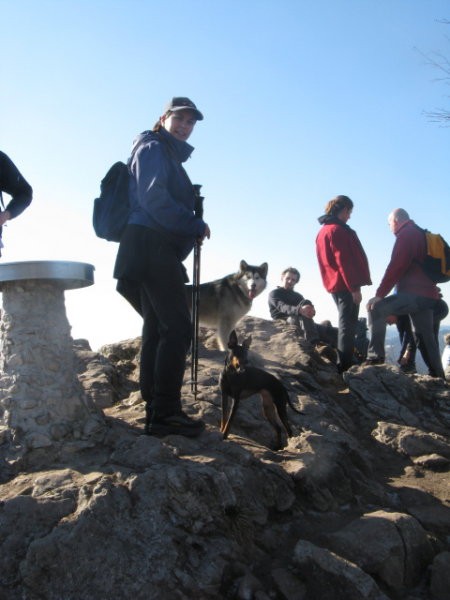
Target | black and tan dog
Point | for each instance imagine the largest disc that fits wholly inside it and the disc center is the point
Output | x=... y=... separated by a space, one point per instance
x=239 y=380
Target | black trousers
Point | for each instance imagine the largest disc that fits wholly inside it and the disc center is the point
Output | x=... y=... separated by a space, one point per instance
x=421 y=311
x=412 y=340
x=166 y=339
x=348 y=313
x=152 y=278
x=314 y=332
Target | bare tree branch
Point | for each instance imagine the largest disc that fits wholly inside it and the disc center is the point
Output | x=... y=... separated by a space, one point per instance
x=441 y=63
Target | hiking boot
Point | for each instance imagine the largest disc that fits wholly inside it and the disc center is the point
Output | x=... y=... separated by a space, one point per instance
x=176 y=424
x=408 y=368
x=326 y=352
x=373 y=361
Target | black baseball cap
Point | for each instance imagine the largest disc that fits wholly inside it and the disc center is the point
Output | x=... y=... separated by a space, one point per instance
x=180 y=103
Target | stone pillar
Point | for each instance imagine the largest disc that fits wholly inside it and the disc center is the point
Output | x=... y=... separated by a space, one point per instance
x=42 y=402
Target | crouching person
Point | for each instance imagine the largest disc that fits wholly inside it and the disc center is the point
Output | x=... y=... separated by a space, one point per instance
x=288 y=305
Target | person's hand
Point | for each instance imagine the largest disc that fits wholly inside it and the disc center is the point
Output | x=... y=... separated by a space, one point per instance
x=357 y=297
x=307 y=311
x=4 y=216
x=404 y=360
x=206 y=234
x=372 y=302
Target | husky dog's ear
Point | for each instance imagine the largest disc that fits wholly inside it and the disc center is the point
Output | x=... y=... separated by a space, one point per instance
x=246 y=343
x=232 y=340
x=243 y=266
x=264 y=268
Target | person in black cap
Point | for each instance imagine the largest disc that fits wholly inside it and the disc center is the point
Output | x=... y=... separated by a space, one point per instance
x=14 y=184
x=161 y=232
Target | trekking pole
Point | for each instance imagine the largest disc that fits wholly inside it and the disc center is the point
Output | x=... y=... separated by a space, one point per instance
x=196 y=293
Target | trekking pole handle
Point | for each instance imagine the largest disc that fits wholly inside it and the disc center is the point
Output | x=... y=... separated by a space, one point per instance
x=198 y=207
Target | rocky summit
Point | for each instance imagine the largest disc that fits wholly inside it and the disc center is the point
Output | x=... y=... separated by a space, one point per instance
x=354 y=507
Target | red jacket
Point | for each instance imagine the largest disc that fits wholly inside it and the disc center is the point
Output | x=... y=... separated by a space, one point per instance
x=342 y=261
x=404 y=270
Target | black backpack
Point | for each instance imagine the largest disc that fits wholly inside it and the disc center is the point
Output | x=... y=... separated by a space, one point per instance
x=112 y=207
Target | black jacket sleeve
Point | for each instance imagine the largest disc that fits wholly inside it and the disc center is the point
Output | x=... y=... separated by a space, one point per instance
x=14 y=184
x=284 y=303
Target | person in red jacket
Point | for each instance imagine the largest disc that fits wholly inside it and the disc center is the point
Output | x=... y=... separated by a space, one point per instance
x=344 y=268
x=416 y=294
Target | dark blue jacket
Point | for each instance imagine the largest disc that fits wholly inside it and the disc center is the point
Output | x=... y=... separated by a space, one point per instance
x=161 y=194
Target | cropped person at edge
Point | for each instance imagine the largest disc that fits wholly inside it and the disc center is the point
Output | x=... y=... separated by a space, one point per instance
x=13 y=183
x=161 y=232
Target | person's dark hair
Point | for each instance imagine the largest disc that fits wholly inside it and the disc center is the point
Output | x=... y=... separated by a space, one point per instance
x=158 y=125
x=334 y=206
x=291 y=270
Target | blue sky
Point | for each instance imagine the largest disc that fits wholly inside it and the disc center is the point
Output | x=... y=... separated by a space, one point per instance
x=302 y=101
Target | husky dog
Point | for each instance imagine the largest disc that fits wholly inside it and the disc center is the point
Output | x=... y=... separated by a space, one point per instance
x=239 y=380
x=223 y=302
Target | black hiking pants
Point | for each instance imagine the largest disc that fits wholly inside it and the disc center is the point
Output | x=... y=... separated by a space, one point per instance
x=166 y=339
x=348 y=313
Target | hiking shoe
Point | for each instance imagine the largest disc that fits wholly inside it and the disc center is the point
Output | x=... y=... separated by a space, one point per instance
x=327 y=352
x=410 y=368
x=373 y=361
x=176 y=424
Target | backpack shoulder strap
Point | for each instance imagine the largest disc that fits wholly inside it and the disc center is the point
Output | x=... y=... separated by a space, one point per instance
x=424 y=231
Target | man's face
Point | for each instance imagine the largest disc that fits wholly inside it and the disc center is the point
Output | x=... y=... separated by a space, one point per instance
x=289 y=279
x=180 y=123
x=392 y=223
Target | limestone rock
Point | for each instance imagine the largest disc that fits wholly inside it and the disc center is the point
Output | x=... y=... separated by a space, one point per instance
x=355 y=506
x=330 y=577
x=433 y=461
x=392 y=546
x=440 y=576
x=412 y=441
